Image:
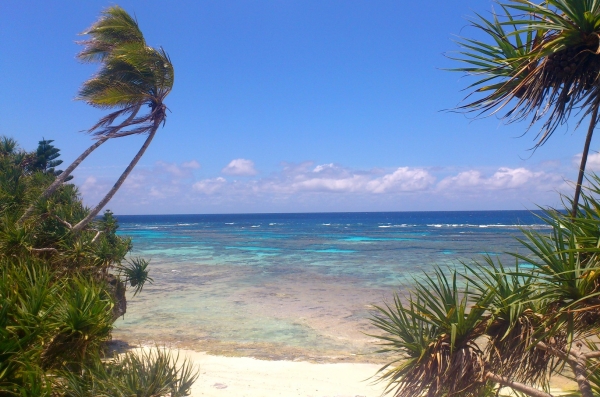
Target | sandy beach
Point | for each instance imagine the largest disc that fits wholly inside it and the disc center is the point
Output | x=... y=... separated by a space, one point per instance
x=248 y=377
x=221 y=376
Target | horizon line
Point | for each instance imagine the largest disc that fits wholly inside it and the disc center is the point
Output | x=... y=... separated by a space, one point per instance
x=326 y=212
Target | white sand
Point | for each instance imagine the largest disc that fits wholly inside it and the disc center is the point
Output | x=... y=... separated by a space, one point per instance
x=221 y=376
x=247 y=377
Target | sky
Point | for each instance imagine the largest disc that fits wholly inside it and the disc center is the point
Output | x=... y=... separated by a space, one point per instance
x=285 y=106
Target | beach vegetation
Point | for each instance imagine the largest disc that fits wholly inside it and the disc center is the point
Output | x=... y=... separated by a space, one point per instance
x=489 y=325
x=147 y=373
x=61 y=292
x=537 y=61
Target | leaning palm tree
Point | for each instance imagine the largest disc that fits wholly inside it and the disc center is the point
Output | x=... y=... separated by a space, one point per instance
x=131 y=75
x=134 y=75
x=542 y=65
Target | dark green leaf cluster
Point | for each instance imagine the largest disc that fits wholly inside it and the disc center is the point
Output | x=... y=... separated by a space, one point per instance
x=135 y=272
x=52 y=331
x=46 y=158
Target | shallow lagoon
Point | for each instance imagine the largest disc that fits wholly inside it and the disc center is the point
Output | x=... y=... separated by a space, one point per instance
x=294 y=286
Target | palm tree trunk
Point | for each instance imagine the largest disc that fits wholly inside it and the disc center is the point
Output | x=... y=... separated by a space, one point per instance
x=584 y=155
x=78 y=227
x=65 y=174
x=61 y=178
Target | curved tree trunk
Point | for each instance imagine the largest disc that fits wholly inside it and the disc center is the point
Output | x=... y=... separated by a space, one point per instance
x=78 y=227
x=65 y=174
x=584 y=155
x=61 y=178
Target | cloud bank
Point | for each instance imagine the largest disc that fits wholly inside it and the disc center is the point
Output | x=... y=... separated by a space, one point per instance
x=300 y=187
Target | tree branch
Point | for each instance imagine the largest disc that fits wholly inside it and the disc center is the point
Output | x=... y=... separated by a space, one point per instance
x=54 y=250
x=67 y=224
x=567 y=357
x=595 y=354
x=581 y=374
x=96 y=236
x=530 y=391
x=577 y=362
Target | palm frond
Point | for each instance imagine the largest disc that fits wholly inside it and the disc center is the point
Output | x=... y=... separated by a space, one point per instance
x=136 y=273
x=546 y=62
x=131 y=75
x=114 y=28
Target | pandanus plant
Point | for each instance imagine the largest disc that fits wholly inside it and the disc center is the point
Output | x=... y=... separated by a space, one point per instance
x=132 y=75
x=541 y=65
x=492 y=326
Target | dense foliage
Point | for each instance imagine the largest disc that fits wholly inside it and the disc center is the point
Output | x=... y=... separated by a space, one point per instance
x=463 y=332
x=60 y=293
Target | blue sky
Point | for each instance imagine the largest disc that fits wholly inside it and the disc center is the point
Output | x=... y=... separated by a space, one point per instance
x=284 y=106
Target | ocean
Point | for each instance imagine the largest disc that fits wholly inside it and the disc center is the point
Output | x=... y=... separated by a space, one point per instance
x=295 y=286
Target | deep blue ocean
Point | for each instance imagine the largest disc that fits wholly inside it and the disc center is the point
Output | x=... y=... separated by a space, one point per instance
x=295 y=285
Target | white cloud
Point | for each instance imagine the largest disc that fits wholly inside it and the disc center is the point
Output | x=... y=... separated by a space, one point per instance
x=91 y=187
x=89 y=183
x=322 y=178
x=179 y=171
x=592 y=164
x=503 y=179
x=404 y=179
x=135 y=180
x=194 y=165
x=209 y=186
x=241 y=167
x=464 y=179
x=163 y=181
x=323 y=167
x=507 y=178
x=350 y=184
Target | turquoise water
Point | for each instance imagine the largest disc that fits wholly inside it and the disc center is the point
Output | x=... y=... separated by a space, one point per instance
x=296 y=286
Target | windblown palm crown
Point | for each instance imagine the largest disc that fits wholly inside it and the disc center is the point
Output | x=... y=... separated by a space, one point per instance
x=131 y=75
